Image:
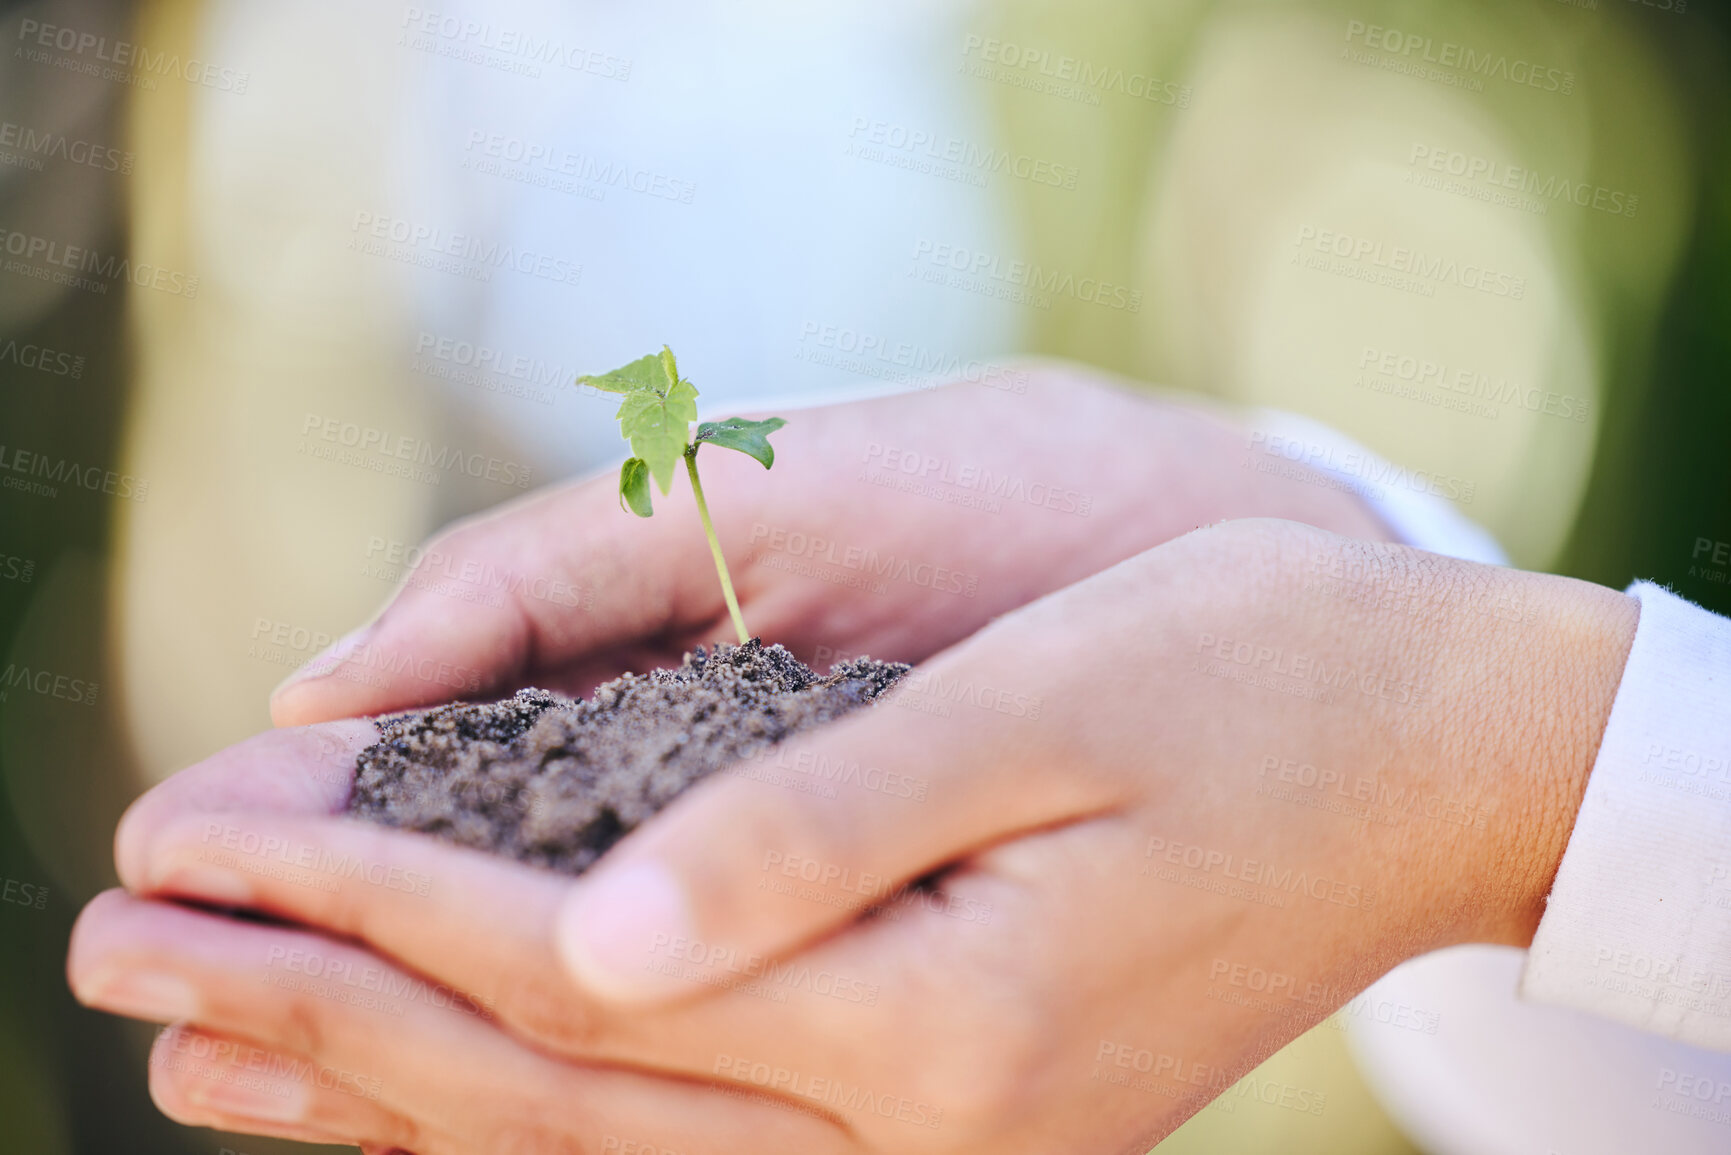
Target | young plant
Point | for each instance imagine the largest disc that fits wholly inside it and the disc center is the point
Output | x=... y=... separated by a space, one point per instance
x=655 y=417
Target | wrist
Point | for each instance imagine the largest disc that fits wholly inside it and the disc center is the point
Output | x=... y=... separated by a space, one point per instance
x=1557 y=679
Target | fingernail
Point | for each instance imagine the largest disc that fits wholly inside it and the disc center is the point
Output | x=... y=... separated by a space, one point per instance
x=271 y=1100
x=152 y=995
x=613 y=930
x=325 y=662
x=211 y=884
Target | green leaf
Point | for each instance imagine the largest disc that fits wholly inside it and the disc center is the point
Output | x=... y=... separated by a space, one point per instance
x=644 y=373
x=634 y=487
x=657 y=412
x=659 y=428
x=749 y=437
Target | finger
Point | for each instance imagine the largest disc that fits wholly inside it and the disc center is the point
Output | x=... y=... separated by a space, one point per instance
x=294 y=992
x=491 y=601
x=841 y=1014
x=307 y=770
x=208 y=1079
x=879 y=800
x=438 y=1076
x=472 y=920
x=279 y=987
x=534 y=585
x=255 y=827
x=475 y=923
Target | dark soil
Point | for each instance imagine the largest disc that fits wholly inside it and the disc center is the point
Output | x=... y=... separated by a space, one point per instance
x=555 y=781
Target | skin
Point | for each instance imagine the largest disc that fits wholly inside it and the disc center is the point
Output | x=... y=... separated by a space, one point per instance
x=1102 y=875
x=648 y=591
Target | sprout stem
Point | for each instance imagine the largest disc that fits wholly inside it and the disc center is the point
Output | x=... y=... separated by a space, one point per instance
x=715 y=546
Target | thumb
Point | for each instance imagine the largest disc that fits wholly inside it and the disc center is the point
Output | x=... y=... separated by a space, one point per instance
x=533 y=586
x=769 y=855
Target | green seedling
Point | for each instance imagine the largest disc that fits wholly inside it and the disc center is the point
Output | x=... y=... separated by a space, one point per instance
x=655 y=417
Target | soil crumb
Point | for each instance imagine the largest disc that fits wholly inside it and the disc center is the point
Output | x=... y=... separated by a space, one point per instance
x=555 y=781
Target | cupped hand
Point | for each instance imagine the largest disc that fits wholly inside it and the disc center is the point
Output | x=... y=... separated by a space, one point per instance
x=1072 y=882
x=895 y=527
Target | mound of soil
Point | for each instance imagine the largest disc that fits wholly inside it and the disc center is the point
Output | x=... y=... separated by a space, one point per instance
x=555 y=781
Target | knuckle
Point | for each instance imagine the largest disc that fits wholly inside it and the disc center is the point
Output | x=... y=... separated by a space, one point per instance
x=516 y=1138
x=300 y=1026
x=169 y=1092
x=396 y=1132
x=990 y=1052
x=370 y=889
x=980 y=1077
x=546 y=1014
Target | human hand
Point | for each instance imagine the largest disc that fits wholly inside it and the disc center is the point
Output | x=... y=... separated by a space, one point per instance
x=877 y=532
x=1151 y=838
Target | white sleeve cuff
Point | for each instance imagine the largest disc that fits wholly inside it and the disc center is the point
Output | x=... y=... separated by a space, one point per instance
x=1407 y=500
x=1638 y=926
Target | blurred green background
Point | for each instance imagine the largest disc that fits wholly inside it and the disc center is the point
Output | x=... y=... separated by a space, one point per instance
x=1650 y=302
